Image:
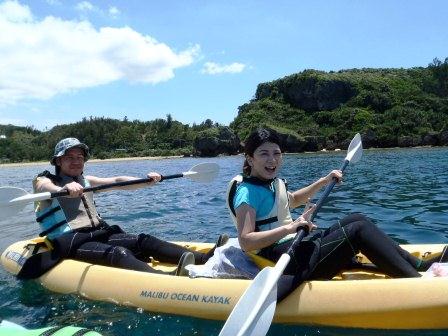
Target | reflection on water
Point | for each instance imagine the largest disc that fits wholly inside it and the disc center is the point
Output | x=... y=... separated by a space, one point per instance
x=405 y=191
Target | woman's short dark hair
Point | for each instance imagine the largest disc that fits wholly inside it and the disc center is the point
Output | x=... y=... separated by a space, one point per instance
x=255 y=140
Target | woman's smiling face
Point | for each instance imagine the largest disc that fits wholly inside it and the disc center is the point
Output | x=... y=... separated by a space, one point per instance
x=266 y=161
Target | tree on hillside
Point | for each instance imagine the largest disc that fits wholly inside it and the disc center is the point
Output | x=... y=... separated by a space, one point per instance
x=439 y=71
x=169 y=121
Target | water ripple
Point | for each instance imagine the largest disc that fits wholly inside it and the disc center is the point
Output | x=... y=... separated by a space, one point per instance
x=405 y=191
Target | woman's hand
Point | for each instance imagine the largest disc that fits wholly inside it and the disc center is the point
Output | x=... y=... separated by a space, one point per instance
x=337 y=174
x=304 y=219
x=155 y=177
x=74 y=189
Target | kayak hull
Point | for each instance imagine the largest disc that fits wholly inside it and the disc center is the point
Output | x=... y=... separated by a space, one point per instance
x=355 y=299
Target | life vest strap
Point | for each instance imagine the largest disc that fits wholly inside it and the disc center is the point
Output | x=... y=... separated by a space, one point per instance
x=232 y=193
x=263 y=222
x=54 y=227
x=48 y=213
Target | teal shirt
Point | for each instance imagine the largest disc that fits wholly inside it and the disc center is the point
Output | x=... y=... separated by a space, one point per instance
x=259 y=197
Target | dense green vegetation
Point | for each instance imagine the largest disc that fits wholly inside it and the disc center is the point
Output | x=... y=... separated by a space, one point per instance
x=388 y=106
x=107 y=138
x=312 y=110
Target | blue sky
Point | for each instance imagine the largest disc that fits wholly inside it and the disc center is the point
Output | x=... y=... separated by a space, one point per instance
x=64 y=60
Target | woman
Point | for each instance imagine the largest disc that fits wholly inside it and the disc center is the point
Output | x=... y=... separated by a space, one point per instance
x=75 y=229
x=259 y=203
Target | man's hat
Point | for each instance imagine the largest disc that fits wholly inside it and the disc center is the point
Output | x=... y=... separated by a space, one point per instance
x=66 y=144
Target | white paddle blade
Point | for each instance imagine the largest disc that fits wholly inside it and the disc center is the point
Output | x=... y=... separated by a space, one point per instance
x=240 y=318
x=262 y=323
x=354 y=151
x=249 y=310
x=28 y=198
x=7 y=195
x=203 y=172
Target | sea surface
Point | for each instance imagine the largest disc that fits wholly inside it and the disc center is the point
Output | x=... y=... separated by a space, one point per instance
x=405 y=191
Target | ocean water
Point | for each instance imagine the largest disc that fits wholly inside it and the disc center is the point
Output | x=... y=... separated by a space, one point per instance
x=405 y=191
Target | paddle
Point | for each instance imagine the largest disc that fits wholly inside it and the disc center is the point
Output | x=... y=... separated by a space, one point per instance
x=253 y=313
x=13 y=199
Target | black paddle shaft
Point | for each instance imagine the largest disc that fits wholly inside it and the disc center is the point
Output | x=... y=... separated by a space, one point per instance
x=303 y=231
x=327 y=191
x=117 y=184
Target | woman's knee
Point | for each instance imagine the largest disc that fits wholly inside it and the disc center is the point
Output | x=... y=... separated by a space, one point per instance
x=145 y=241
x=354 y=217
x=362 y=228
x=118 y=255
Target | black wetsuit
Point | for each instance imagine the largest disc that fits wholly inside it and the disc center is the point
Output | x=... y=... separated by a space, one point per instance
x=333 y=250
x=131 y=251
x=109 y=246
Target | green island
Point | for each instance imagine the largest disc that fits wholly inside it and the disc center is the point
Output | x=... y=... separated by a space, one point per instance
x=312 y=110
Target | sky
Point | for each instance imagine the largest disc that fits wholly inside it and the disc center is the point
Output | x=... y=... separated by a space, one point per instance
x=61 y=60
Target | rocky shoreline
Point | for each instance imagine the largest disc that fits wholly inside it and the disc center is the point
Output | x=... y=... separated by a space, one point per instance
x=37 y=163
x=136 y=158
x=228 y=143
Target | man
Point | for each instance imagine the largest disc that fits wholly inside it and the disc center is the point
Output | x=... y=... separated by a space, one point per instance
x=76 y=231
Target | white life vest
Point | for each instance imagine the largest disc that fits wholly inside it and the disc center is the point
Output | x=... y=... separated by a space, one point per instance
x=279 y=214
x=63 y=214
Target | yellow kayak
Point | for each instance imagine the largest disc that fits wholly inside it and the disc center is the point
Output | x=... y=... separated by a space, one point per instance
x=357 y=299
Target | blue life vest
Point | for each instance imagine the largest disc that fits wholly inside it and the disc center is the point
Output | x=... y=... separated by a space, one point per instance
x=279 y=214
x=63 y=214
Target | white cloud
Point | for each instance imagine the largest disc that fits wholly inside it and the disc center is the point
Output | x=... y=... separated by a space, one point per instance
x=53 y=2
x=42 y=58
x=114 y=11
x=212 y=68
x=85 y=6
x=15 y=12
